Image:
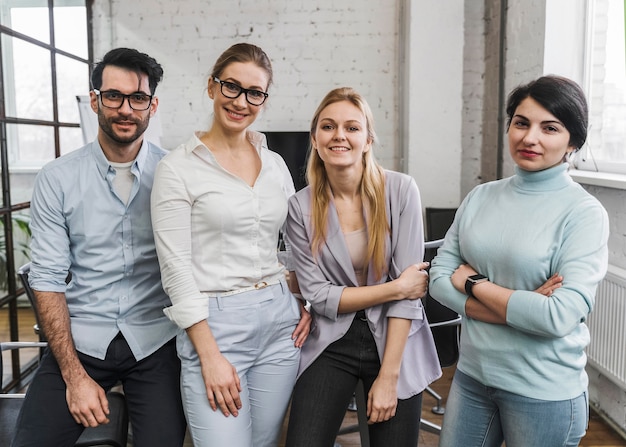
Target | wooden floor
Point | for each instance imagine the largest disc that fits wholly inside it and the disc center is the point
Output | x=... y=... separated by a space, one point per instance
x=598 y=434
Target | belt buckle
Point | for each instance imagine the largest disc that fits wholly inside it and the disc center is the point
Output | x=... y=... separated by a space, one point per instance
x=261 y=285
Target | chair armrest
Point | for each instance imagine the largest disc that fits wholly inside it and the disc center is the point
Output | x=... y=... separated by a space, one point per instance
x=8 y=345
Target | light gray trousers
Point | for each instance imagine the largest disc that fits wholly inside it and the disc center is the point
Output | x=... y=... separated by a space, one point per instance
x=253 y=331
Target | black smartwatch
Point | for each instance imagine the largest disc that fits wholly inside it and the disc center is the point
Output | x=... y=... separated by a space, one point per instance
x=471 y=281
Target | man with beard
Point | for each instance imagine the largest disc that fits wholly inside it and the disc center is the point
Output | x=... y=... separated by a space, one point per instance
x=91 y=220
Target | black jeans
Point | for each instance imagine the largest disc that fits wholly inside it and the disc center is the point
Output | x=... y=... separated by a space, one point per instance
x=151 y=387
x=323 y=391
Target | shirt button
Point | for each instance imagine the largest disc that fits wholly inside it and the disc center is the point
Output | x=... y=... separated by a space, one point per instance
x=123 y=298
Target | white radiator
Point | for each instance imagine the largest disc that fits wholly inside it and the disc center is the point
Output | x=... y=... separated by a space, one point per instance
x=607 y=325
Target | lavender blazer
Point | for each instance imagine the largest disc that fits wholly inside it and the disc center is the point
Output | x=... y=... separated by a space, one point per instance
x=323 y=278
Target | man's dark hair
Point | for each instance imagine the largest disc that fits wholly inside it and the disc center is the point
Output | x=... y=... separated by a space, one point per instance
x=129 y=59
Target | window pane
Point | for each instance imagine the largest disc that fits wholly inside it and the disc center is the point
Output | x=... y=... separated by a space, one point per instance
x=70 y=29
x=31 y=20
x=21 y=250
x=71 y=139
x=29 y=146
x=22 y=181
x=28 y=89
x=21 y=236
x=607 y=98
x=72 y=80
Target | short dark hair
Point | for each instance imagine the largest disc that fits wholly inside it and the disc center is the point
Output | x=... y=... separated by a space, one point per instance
x=560 y=96
x=243 y=52
x=130 y=59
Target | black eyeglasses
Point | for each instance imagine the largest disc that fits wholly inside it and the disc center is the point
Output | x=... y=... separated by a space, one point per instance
x=232 y=91
x=113 y=99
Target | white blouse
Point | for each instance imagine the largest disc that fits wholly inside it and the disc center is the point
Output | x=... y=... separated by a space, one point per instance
x=213 y=231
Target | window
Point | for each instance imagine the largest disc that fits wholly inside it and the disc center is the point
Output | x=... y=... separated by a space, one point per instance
x=45 y=66
x=45 y=49
x=605 y=84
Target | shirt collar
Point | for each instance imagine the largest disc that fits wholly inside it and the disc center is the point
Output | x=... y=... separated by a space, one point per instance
x=258 y=140
x=103 y=164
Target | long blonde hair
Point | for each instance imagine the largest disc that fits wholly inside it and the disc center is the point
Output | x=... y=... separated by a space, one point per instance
x=372 y=186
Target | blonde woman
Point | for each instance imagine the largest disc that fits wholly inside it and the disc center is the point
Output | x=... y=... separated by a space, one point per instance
x=357 y=240
x=218 y=204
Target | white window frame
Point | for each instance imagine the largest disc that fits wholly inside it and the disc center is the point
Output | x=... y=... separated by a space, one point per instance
x=585 y=160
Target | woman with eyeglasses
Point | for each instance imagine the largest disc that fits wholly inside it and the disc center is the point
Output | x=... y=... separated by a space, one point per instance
x=218 y=204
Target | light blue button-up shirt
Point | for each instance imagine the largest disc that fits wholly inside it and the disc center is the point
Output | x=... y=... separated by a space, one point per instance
x=81 y=226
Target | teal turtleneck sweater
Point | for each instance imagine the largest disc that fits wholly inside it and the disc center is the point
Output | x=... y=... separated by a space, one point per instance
x=519 y=231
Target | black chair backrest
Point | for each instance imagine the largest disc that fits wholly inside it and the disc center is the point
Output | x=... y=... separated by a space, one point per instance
x=446 y=336
x=22 y=273
x=437 y=220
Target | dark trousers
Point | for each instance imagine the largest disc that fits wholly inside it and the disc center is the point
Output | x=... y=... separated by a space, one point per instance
x=323 y=391
x=151 y=387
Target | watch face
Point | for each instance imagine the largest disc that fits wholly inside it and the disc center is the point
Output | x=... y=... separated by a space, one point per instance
x=472 y=281
x=475 y=279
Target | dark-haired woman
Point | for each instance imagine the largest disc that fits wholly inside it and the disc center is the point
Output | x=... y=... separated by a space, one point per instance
x=521 y=263
x=218 y=204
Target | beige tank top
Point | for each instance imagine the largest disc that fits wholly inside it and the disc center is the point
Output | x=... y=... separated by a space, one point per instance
x=357 y=247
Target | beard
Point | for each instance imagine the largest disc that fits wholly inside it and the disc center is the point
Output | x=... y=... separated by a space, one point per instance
x=106 y=124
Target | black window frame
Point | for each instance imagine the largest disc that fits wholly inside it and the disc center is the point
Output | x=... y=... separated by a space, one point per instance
x=7 y=208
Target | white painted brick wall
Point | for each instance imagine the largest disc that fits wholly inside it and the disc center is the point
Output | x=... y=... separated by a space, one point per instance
x=314 y=46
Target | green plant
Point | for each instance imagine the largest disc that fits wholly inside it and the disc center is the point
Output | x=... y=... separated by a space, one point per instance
x=21 y=244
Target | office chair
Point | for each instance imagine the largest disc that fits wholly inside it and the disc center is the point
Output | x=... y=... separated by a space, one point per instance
x=113 y=434
x=22 y=273
x=444 y=324
x=437 y=222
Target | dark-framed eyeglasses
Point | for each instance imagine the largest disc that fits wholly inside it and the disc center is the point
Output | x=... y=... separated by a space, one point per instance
x=113 y=99
x=232 y=91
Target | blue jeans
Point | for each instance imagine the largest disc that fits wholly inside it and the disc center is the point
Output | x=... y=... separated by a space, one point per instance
x=324 y=389
x=253 y=331
x=481 y=416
